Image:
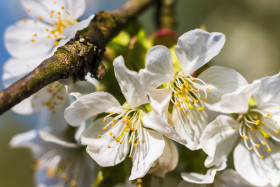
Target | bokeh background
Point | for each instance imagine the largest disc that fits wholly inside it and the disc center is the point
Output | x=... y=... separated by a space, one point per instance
x=252 y=29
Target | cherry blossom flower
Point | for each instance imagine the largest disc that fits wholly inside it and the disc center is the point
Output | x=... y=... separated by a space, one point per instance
x=38 y=36
x=122 y=131
x=178 y=92
x=253 y=132
x=59 y=162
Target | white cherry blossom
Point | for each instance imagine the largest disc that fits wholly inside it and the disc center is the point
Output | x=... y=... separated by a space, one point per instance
x=182 y=94
x=252 y=133
x=122 y=131
x=39 y=35
x=59 y=162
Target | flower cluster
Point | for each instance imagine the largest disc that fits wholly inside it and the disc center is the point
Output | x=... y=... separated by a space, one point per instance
x=166 y=106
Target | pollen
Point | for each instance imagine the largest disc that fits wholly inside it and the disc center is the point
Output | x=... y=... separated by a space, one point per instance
x=73 y=183
x=246 y=137
x=113 y=124
x=252 y=148
x=177 y=104
x=64 y=175
x=104 y=128
x=40 y=18
x=99 y=136
x=62 y=7
x=261 y=157
x=33 y=40
x=130 y=156
x=114 y=120
x=276 y=131
x=188 y=113
x=55 y=43
x=207 y=89
x=127 y=142
x=28 y=11
x=205 y=98
x=258 y=122
x=135 y=145
x=109 y=146
x=181 y=108
x=265 y=143
x=269 y=149
x=258 y=145
x=111 y=133
x=104 y=120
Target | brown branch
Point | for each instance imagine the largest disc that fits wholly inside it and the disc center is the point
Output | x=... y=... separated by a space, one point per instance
x=80 y=55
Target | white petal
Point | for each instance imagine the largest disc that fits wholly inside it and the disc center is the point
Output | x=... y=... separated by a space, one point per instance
x=190 y=127
x=268 y=91
x=259 y=172
x=204 y=179
x=145 y=154
x=131 y=85
x=159 y=67
x=14 y=69
x=79 y=88
x=90 y=105
x=75 y=8
x=154 y=121
x=30 y=139
x=159 y=101
x=53 y=139
x=98 y=147
x=220 y=81
x=24 y=107
x=230 y=178
x=18 y=39
x=54 y=123
x=219 y=139
x=70 y=31
x=195 y=48
x=237 y=101
x=39 y=8
x=167 y=161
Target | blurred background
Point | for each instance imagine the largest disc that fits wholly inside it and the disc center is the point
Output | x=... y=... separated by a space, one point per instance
x=252 y=30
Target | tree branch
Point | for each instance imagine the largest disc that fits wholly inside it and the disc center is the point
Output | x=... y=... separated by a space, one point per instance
x=80 y=55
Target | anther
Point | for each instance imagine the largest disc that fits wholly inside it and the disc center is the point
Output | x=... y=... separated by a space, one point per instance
x=276 y=131
x=111 y=133
x=181 y=108
x=265 y=143
x=109 y=146
x=99 y=136
x=62 y=7
x=55 y=43
x=33 y=40
x=113 y=124
x=251 y=148
x=258 y=122
x=269 y=149
x=177 y=104
x=258 y=145
x=205 y=98
x=130 y=156
x=246 y=137
x=104 y=128
x=261 y=157
x=127 y=142
x=114 y=136
x=134 y=145
x=28 y=11
x=104 y=120
x=40 y=18
x=207 y=89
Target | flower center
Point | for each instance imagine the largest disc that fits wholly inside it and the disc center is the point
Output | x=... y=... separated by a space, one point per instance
x=52 y=96
x=61 y=19
x=125 y=128
x=187 y=93
x=258 y=128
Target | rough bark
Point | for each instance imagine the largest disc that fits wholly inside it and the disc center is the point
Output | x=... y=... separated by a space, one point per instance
x=80 y=55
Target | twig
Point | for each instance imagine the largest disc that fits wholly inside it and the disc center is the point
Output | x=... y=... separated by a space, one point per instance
x=80 y=55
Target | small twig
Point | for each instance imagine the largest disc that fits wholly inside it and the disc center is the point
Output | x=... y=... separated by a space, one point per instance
x=166 y=17
x=82 y=54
